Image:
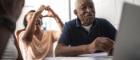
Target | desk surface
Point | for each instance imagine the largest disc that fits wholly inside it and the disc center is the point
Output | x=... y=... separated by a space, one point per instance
x=95 y=56
x=79 y=58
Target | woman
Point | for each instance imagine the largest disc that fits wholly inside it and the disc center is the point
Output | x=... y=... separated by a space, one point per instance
x=34 y=43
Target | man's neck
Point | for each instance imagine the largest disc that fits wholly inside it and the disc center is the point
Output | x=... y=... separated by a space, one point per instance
x=87 y=28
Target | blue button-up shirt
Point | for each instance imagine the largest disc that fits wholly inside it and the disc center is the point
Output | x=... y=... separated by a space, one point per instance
x=74 y=34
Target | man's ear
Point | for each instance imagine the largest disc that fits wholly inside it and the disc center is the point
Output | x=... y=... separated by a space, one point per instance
x=75 y=11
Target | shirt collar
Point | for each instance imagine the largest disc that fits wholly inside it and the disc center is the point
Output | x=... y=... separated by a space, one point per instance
x=78 y=23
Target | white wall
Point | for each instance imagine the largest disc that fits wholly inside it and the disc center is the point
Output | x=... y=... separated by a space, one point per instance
x=108 y=9
x=59 y=6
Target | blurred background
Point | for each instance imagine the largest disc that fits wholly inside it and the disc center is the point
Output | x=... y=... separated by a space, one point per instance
x=108 y=9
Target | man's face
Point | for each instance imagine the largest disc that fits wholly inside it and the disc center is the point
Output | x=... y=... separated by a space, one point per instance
x=85 y=12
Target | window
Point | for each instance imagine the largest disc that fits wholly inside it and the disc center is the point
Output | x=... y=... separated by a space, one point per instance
x=61 y=7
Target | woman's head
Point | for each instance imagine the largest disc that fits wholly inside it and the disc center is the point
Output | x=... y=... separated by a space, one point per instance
x=28 y=17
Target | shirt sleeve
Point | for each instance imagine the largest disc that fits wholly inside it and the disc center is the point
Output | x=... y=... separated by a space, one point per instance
x=109 y=30
x=65 y=36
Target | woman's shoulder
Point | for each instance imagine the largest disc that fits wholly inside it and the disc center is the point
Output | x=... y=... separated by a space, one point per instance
x=17 y=32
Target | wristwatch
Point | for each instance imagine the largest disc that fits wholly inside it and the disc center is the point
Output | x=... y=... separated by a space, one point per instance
x=8 y=24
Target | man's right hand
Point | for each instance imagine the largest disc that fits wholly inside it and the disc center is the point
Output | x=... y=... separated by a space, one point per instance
x=100 y=43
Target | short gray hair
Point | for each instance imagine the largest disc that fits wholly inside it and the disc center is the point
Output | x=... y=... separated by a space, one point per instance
x=79 y=1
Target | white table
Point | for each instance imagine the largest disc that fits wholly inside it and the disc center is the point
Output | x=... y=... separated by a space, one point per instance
x=79 y=58
x=97 y=56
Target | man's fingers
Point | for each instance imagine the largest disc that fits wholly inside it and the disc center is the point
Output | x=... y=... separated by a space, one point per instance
x=103 y=43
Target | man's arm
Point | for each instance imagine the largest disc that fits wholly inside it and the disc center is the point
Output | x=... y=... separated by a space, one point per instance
x=100 y=43
x=63 y=50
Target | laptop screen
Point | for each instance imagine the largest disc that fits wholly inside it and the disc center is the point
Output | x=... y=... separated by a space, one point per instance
x=127 y=45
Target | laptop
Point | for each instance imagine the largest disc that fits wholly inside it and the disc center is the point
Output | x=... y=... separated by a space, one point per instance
x=127 y=45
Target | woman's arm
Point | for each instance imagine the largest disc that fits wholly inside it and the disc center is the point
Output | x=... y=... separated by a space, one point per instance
x=51 y=13
x=29 y=30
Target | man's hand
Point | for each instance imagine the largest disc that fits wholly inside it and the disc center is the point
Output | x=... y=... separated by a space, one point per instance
x=101 y=43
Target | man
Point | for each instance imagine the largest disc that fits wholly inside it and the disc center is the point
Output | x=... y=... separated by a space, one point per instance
x=9 y=12
x=85 y=34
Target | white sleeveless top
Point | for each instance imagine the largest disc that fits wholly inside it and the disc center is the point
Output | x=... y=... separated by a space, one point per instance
x=37 y=50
